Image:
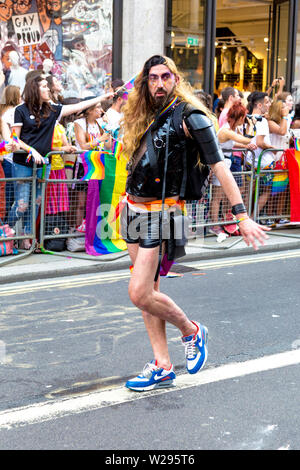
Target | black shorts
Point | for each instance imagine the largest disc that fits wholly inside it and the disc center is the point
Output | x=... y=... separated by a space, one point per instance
x=144 y=227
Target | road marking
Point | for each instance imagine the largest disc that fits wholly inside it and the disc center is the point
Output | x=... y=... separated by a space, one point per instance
x=51 y=410
x=114 y=276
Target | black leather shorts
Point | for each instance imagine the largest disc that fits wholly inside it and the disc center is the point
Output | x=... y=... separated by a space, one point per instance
x=144 y=227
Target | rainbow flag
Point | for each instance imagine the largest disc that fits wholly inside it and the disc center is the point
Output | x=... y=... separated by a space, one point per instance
x=69 y=164
x=14 y=136
x=103 y=209
x=293 y=162
x=3 y=150
x=93 y=165
x=297 y=143
x=280 y=182
x=117 y=149
x=127 y=87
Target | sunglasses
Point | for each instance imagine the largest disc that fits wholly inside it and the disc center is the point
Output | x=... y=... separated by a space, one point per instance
x=165 y=78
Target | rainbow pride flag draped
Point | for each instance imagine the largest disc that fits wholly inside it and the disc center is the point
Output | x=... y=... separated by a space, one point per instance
x=103 y=209
x=93 y=162
x=293 y=163
x=117 y=149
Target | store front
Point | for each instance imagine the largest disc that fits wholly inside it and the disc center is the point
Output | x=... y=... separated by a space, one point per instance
x=74 y=37
x=246 y=44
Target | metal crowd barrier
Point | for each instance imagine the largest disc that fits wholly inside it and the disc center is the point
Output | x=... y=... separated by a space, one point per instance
x=7 y=199
x=69 y=219
x=263 y=186
x=200 y=212
x=252 y=183
x=277 y=205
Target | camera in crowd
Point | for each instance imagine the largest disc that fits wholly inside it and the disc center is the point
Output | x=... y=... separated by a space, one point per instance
x=251 y=116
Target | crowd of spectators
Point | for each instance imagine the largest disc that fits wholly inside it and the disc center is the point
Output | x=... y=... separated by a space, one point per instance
x=67 y=125
x=257 y=121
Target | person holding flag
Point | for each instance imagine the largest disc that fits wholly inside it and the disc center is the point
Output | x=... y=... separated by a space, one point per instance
x=158 y=90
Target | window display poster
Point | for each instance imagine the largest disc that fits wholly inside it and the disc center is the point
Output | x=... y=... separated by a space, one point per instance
x=75 y=34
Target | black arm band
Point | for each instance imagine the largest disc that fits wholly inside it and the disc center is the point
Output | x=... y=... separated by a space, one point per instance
x=238 y=209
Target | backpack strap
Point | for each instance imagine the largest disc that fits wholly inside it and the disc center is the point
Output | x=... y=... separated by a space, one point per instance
x=177 y=122
x=152 y=154
x=177 y=118
x=181 y=112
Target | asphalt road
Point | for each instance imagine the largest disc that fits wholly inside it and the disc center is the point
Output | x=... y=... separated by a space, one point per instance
x=68 y=345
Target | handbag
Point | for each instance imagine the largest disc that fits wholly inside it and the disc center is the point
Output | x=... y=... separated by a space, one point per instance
x=55 y=224
x=7 y=247
x=76 y=244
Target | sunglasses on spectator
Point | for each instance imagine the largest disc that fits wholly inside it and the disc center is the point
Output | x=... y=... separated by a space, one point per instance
x=165 y=78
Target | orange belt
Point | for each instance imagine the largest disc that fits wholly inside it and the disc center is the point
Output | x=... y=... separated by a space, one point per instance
x=153 y=206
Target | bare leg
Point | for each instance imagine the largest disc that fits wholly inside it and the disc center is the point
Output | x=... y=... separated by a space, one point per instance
x=157 y=308
x=145 y=297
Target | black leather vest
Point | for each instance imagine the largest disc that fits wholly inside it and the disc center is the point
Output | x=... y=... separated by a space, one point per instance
x=141 y=181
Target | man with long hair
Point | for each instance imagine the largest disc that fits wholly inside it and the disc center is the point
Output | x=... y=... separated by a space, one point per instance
x=158 y=89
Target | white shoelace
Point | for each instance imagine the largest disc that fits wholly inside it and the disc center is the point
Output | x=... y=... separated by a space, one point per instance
x=190 y=349
x=148 y=369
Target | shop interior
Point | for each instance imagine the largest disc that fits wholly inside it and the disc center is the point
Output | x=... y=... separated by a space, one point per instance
x=251 y=44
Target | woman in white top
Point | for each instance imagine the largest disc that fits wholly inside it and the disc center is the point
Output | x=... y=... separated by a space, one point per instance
x=279 y=125
x=229 y=137
x=89 y=136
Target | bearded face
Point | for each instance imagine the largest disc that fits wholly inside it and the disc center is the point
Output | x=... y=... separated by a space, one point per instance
x=161 y=85
x=53 y=8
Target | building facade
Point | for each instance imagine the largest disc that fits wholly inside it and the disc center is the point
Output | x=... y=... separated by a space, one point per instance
x=215 y=43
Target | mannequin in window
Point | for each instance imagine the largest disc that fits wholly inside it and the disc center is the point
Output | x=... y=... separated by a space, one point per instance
x=240 y=59
x=226 y=58
x=17 y=73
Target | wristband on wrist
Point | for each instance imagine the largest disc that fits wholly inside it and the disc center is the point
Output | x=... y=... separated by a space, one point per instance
x=285 y=117
x=243 y=218
x=238 y=209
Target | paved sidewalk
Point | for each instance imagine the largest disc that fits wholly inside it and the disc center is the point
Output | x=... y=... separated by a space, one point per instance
x=40 y=266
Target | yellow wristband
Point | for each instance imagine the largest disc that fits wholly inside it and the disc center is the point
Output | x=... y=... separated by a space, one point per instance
x=243 y=218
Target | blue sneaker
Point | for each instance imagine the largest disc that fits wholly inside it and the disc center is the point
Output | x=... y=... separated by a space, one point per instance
x=152 y=377
x=195 y=349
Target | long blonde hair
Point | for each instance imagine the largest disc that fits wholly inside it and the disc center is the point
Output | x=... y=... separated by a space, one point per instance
x=275 y=111
x=138 y=112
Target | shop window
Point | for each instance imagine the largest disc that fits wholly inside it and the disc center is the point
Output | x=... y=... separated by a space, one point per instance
x=185 y=38
x=76 y=35
x=243 y=44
